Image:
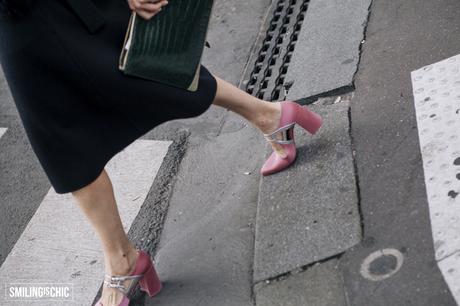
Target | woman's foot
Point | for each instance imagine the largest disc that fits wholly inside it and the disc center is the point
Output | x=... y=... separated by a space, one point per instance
x=118 y=264
x=268 y=121
x=283 y=135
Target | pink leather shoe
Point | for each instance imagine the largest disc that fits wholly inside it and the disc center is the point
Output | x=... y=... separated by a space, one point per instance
x=291 y=113
x=144 y=274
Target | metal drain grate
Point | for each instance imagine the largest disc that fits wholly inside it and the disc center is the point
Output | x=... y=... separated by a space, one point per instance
x=270 y=63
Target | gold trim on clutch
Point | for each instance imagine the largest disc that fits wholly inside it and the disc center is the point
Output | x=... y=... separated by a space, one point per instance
x=127 y=42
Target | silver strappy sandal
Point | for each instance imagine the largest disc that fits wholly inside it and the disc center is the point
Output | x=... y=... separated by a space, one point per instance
x=285 y=135
x=148 y=281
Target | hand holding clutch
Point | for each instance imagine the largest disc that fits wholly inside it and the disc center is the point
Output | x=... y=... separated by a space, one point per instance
x=168 y=48
x=147 y=8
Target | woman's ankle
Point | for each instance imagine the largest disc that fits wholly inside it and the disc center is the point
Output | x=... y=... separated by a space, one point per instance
x=268 y=119
x=121 y=262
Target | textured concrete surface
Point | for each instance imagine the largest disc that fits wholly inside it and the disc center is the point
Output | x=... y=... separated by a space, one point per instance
x=326 y=55
x=403 y=35
x=206 y=249
x=319 y=285
x=310 y=211
x=436 y=90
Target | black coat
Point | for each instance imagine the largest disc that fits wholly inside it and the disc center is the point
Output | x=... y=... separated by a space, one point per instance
x=15 y=8
x=78 y=109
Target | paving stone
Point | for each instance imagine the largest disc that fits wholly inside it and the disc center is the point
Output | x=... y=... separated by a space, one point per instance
x=319 y=285
x=310 y=211
x=327 y=52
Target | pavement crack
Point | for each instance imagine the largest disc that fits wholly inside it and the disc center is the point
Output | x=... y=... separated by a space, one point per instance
x=360 y=51
x=331 y=93
x=355 y=166
x=300 y=269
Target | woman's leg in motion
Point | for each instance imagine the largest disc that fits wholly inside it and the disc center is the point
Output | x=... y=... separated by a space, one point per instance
x=262 y=114
x=97 y=201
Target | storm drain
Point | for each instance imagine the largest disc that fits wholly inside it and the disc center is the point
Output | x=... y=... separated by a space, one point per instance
x=270 y=63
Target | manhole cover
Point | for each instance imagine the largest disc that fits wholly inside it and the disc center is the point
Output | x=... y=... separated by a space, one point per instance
x=382 y=264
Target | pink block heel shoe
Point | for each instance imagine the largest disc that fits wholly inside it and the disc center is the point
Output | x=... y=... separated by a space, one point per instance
x=291 y=113
x=144 y=275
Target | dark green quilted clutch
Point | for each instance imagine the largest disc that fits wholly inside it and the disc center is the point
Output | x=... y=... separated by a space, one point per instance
x=168 y=47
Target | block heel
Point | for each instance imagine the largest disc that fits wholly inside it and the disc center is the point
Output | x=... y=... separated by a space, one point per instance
x=308 y=120
x=150 y=283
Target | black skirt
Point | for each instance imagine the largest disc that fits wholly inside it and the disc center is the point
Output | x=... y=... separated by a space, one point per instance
x=78 y=109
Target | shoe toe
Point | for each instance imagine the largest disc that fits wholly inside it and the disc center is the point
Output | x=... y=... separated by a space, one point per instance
x=269 y=165
x=275 y=163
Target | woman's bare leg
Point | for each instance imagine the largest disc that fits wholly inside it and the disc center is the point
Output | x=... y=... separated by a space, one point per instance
x=262 y=114
x=97 y=201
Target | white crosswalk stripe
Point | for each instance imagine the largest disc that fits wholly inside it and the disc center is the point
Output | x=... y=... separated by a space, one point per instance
x=59 y=246
x=2 y=131
x=437 y=102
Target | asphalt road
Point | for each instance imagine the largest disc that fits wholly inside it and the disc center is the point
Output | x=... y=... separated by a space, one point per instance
x=402 y=36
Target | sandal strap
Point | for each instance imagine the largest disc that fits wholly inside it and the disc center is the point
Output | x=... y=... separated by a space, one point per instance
x=284 y=134
x=116 y=281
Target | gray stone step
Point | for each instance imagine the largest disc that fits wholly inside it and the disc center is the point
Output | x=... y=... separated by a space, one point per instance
x=310 y=211
x=327 y=52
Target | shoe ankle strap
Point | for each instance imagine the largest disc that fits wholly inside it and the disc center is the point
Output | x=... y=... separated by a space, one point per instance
x=284 y=134
x=115 y=281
